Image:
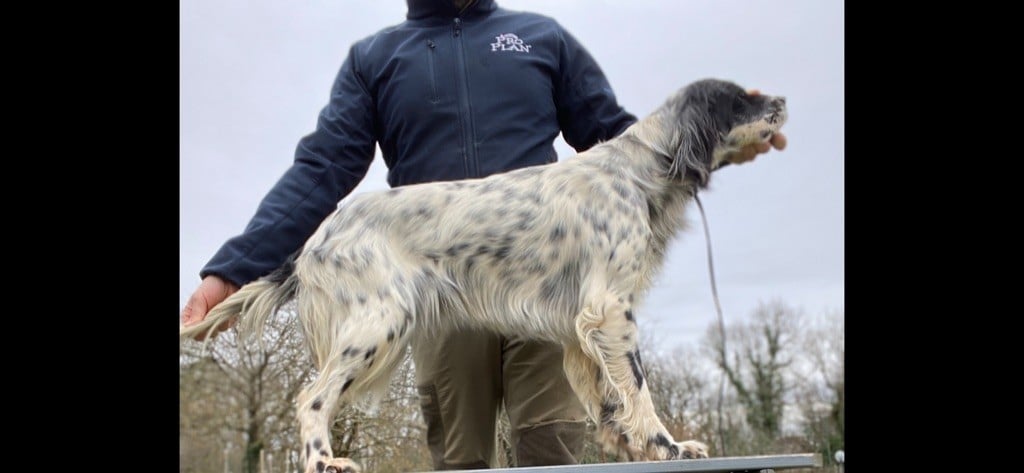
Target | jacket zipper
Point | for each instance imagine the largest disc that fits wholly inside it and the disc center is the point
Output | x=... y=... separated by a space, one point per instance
x=462 y=75
x=434 y=99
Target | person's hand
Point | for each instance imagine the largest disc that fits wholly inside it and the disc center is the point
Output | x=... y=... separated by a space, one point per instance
x=749 y=152
x=211 y=291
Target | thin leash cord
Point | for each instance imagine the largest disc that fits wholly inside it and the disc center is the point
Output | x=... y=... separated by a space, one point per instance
x=721 y=320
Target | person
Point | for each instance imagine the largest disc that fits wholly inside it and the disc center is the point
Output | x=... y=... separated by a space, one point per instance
x=460 y=89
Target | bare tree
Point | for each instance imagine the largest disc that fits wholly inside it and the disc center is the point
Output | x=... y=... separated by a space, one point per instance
x=823 y=397
x=755 y=362
x=242 y=391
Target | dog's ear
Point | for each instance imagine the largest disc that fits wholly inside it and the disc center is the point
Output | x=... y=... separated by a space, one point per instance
x=696 y=144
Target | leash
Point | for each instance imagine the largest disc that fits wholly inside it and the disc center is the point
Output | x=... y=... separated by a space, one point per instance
x=721 y=320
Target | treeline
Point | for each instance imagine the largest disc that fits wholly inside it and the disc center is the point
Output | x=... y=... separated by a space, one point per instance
x=773 y=385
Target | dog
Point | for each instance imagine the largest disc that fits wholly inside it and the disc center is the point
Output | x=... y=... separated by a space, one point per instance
x=562 y=252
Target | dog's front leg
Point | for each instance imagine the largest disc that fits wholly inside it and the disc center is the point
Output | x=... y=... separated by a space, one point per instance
x=627 y=419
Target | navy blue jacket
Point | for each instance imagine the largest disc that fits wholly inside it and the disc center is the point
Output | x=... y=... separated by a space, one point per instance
x=447 y=95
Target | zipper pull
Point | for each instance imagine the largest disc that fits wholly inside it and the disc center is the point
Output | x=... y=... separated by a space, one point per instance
x=458 y=26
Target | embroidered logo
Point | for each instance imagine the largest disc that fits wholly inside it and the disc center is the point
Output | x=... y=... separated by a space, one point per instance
x=509 y=42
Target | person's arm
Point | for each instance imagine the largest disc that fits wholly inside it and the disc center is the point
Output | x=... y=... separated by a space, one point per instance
x=588 y=112
x=329 y=163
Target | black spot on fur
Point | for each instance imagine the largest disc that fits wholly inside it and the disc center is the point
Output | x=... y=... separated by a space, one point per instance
x=317 y=443
x=320 y=467
x=566 y=281
x=324 y=453
x=349 y=351
x=361 y=298
x=686 y=454
x=317 y=404
x=557 y=233
x=661 y=441
x=424 y=212
x=370 y=353
x=629 y=315
x=346 y=385
x=502 y=252
x=307 y=450
x=637 y=373
x=608 y=411
x=621 y=189
x=391 y=335
x=456 y=249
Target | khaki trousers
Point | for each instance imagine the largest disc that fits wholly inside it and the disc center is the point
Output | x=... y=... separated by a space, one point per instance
x=462 y=380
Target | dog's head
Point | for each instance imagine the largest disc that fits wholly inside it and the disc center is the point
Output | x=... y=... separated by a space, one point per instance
x=718 y=118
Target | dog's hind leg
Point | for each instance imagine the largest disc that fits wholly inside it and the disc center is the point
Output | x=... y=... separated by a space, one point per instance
x=349 y=374
x=316 y=405
x=627 y=420
x=364 y=350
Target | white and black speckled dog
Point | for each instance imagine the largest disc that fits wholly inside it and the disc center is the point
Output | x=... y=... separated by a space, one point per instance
x=560 y=252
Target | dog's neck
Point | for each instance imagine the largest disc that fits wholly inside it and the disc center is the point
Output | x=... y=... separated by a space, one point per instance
x=660 y=140
x=643 y=155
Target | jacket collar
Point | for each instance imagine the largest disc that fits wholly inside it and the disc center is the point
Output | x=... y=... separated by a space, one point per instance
x=423 y=9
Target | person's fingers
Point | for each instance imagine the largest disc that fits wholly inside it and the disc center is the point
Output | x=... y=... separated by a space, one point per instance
x=779 y=141
x=743 y=155
x=195 y=309
x=211 y=291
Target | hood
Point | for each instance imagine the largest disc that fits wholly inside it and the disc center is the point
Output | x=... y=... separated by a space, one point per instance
x=420 y=9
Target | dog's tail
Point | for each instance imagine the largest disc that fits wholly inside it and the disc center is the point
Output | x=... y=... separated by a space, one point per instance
x=252 y=304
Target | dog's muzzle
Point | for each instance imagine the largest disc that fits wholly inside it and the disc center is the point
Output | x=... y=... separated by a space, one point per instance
x=777 y=111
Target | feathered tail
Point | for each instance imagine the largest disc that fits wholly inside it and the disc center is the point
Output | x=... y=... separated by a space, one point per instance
x=252 y=304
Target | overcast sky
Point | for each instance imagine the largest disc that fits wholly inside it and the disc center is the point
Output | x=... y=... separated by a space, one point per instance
x=255 y=73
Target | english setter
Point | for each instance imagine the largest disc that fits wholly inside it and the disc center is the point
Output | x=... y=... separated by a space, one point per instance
x=561 y=252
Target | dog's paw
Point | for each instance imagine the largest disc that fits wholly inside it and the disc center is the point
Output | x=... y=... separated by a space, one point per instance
x=692 y=449
x=616 y=443
x=334 y=465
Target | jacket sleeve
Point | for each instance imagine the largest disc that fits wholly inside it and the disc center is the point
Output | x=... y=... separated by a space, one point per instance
x=329 y=163
x=588 y=112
